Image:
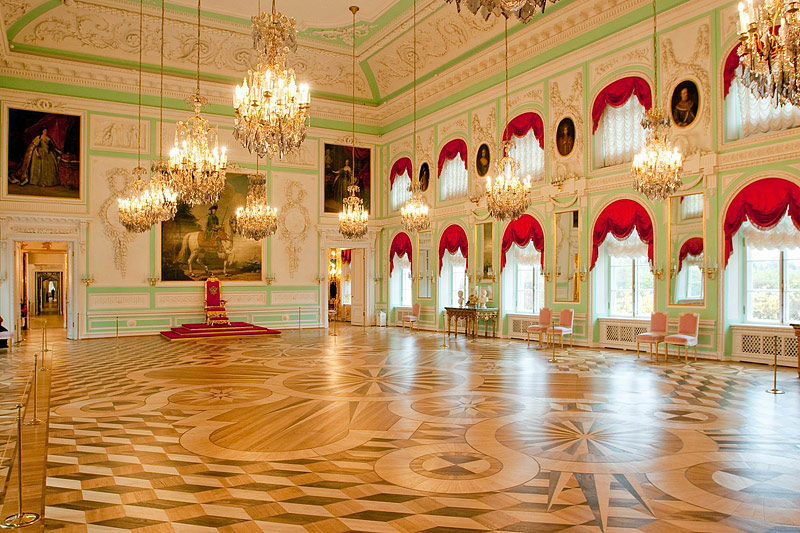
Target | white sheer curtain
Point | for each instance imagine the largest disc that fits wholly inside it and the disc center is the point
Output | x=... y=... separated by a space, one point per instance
x=453 y=279
x=400 y=293
x=401 y=191
x=526 y=256
x=693 y=260
x=529 y=155
x=453 y=180
x=619 y=134
x=747 y=115
x=783 y=236
x=630 y=248
x=691 y=206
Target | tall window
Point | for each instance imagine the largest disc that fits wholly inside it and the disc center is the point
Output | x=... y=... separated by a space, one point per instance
x=453 y=278
x=529 y=155
x=401 y=282
x=453 y=179
x=401 y=191
x=747 y=115
x=528 y=279
x=619 y=135
x=631 y=283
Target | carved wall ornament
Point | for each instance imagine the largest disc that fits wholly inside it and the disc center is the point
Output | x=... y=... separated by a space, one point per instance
x=641 y=55
x=342 y=35
x=533 y=96
x=425 y=146
x=118 y=180
x=118 y=134
x=572 y=107
x=676 y=69
x=453 y=126
x=13 y=10
x=294 y=223
x=42 y=104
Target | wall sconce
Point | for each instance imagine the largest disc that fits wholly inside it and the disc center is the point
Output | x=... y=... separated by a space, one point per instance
x=380 y=278
x=658 y=273
x=88 y=280
x=673 y=270
x=711 y=272
x=2 y=279
x=320 y=280
x=269 y=278
x=582 y=272
x=547 y=275
x=152 y=281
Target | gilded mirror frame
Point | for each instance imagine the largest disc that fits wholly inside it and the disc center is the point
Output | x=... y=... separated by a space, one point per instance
x=424 y=245
x=670 y=269
x=575 y=280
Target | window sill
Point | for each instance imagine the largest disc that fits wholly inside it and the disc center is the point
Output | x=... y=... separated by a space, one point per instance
x=762 y=327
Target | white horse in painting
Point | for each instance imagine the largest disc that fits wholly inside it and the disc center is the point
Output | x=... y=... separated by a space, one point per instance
x=191 y=250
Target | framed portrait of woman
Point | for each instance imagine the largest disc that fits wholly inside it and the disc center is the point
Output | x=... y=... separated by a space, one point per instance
x=565 y=136
x=483 y=160
x=685 y=103
x=424 y=176
x=44 y=154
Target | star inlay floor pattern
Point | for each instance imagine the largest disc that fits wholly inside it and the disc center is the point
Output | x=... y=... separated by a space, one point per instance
x=386 y=430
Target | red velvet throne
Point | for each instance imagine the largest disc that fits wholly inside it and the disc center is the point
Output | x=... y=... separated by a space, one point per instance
x=216 y=315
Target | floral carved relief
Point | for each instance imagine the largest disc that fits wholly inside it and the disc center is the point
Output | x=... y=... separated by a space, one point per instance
x=118 y=180
x=294 y=223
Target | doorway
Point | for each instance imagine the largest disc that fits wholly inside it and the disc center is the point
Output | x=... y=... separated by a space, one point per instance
x=42 y=287
x=340 y=284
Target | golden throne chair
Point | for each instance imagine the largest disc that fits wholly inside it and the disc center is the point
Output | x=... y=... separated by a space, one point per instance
x=216 y=315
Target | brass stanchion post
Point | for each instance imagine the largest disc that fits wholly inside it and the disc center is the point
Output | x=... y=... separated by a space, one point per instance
x=775 y=389
x=552 y=343
x=44 y=338
x=34 y=421
x=21 y=518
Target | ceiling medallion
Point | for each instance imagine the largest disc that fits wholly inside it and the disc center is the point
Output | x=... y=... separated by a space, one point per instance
x=414 y=214
x=523 y=9
x=271 y=108
x=196 y=162
x=257 y=220
x=656 y=170
x=769 y=50
x=354 y=218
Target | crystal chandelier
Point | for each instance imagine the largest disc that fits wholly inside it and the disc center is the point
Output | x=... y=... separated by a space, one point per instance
x=524 y=9
x=769 y=52
x=257 y=220
x=135 y=207
x=414 y=214
x=271 y=108
x=507 y=196
x=354 y=218
x=196 y=162
x=656 y=170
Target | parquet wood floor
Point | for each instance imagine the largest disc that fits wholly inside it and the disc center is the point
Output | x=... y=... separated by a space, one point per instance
x=386 y=430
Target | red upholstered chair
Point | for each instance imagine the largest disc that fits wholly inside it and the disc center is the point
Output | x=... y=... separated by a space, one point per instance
x=545 y=317
x=688 y=331
x=216 y=315
x=564 y=327
x=655 y=334
x=413 y=318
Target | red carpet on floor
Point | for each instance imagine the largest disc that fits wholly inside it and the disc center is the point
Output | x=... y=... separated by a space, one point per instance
x=204 y=331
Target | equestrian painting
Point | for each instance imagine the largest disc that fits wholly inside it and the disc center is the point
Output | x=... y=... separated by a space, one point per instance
x=201 y=240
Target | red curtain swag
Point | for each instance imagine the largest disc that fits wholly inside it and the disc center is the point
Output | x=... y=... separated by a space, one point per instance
x=620 y=218
x=453 y=239
x=617 y=93
x=522 y=124
x=451 y=150
x=346 y=255
x=693 y=246
x=520 y=232
x=401 y=245
x=764 y=203
x=400 y=167
x=729 y=71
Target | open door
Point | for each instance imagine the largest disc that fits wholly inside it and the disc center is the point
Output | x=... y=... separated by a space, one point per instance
x=357 y=287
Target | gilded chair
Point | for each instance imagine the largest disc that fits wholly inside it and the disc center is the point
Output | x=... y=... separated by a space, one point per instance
x=216 y=315
x=564 y=327
x=655 y=333
x=545 y=316
x=412 y=318
x=688 y=331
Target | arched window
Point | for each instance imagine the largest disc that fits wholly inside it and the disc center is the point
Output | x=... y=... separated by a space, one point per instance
x=623 y=280
x=400 y=268
x=762 y=229
x=522 y=262
x=400 y=183
x=527 y=132
x=617 y=121
x=689 y=275
x=453 y=262
x=453 y=170
x=746 y=114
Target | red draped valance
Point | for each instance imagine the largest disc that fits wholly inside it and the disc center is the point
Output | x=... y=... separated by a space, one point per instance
x=346 y=254
x=451 y=150
x=763 y=202
x=453 y=239
x=400 y=167
x=620 y=218
x=520 y=232
x=693 y=246
x=729 y=71
x=617 y=93
x=522 y=124
x=401 y=246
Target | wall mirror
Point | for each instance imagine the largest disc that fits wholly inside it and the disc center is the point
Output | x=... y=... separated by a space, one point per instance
x=485 y=241
x=686 y=249
x=424 y=270
x=566 y=281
